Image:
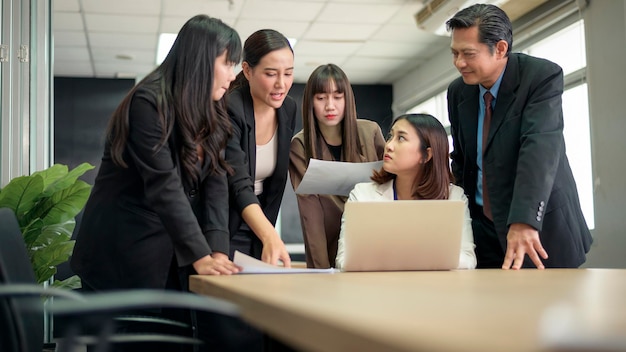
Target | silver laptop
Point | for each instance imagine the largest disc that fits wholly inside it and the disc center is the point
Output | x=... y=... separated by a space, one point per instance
x=403 y=235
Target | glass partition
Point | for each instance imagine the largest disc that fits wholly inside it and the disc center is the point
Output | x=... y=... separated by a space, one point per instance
x=25 y=82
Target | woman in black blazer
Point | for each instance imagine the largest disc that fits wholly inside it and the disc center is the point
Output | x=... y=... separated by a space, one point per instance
x=263 y=119
x=158 y=209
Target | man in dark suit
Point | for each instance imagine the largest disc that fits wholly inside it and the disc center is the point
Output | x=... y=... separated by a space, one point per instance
x=509 y=151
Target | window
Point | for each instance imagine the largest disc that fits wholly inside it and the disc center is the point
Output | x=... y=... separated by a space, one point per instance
x=567 y=48
x=438 y=107
x=578 y=145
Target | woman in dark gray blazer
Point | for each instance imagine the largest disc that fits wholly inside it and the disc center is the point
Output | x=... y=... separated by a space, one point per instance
x=263 y=119
x=159 y=207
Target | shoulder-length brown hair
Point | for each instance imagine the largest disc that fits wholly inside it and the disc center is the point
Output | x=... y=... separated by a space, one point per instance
x=320 y=82
x=434 y=180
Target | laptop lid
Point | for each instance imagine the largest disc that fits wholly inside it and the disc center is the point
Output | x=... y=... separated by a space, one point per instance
x=403 y=235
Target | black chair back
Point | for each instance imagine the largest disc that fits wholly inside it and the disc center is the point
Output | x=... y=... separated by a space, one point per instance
x=22 y=308
x=21 y=317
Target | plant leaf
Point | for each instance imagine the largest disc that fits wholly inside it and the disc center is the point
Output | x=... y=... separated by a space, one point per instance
x=63 y=205
x=46 y=204
x=44 y=273
x=61 y=252
x=68 y=203
x=31 y=232
x=51 y=175
x=66 y=179
x=21 y=194
x=49 y=255
x=65 y=229
x=54 y=233
x=71 y=283
x=52 y=247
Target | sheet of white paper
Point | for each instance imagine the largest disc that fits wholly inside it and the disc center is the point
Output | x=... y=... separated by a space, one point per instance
x=252 y=265
x=335 y=177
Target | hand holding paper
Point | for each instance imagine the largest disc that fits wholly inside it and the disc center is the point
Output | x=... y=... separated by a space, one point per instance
x=335 y=177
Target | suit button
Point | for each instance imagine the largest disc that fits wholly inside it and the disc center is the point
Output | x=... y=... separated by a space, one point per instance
x=540 y=208
x=542 y=203
x=193 y=193
x=538 y=218
x=539 y=213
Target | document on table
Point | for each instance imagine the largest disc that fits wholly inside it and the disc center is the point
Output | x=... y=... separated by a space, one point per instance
x=335 y=177
x=252 y=265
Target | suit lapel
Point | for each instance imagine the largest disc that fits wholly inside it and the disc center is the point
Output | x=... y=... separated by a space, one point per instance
x=468 y=120
x=284 y=139
x=248 y=112
x=284 y=135
x=326 y=154
x=385 y=190
x=506 y=96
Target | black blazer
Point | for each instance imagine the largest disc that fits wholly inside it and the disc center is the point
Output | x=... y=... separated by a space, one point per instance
x=138 y=219
x=241 y=156
x=528 y=174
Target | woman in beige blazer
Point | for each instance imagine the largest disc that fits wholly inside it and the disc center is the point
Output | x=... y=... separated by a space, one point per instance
x=331 y=131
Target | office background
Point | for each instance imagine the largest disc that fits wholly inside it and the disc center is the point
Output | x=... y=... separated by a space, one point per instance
x=28 y=126
x=82 y=107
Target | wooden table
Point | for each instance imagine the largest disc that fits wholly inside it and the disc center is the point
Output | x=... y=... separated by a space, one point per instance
x=475 y=310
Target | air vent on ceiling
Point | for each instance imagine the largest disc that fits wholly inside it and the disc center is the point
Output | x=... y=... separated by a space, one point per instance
x=433 y=16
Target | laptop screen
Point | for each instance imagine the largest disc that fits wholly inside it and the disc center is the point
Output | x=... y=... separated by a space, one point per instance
x=403 y=235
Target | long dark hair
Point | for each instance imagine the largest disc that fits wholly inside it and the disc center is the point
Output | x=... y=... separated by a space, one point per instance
x=434 y=180
x=259 y=44
x=320 y=82
x=493 y=24
x=184 y=96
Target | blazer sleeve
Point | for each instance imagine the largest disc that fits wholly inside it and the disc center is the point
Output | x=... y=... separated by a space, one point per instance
x=467 y=259
x=215 y=223
x=456 y=155
x=357 y=194
x=379 y=142
x=240 y=182
x=542 y=144
x=371 y=140
x=310 y=208
x=297 y=162
x=162 y=183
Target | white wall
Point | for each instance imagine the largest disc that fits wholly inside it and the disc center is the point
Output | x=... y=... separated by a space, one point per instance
x=429 y=79
x=605 y=26
x=605 y=30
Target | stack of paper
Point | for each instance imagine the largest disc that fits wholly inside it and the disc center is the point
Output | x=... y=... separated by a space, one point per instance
x=251 y=265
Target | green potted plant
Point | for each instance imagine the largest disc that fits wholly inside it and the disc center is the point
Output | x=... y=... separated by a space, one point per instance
x=46 y=204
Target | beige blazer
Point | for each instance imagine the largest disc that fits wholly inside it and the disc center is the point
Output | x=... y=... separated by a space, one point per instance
x=320 y=215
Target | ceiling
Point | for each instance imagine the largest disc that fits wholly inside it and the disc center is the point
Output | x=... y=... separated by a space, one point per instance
x=374 y=41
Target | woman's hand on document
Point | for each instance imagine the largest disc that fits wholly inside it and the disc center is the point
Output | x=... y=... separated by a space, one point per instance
x=215 y=264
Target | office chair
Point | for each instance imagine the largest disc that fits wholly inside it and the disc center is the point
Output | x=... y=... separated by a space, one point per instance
x=22 y=307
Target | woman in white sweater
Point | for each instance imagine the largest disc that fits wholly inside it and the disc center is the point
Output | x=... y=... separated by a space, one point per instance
x=415 y=166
